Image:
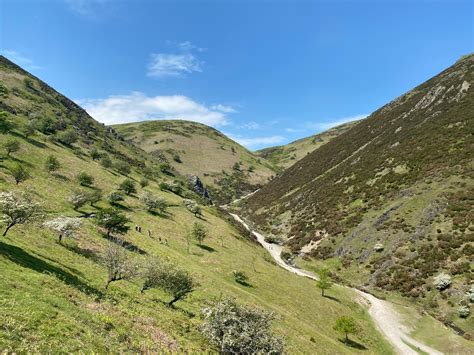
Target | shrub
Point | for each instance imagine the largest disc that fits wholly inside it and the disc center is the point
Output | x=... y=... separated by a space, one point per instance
x=464 y=311
x=122 y=167
x=19 y=173
x=18 y=208
x=240 y=277
x=47 y=125
x=85 y=179
x=199 y=232
x=106 y=162
x=346 y=325
x=112 y=221
x=165 y=168
x=442 y=281
x=153 y=203
x=64 y=226
x=273 y=239
x=68 y=137
x=239 y=329
x=115 y=197
x=95 y=155
x=52 y=163
x=5 y=124
x=177 y=158
x=192 y=207
x=324 y=282
x=173 y=187
x=144 y=182
x=128 y=187
x=29 y=129
x=78 y=199
x=119 y=266
x=11 y=146
x=94 y=196
x=470 y=294
x=169 y=278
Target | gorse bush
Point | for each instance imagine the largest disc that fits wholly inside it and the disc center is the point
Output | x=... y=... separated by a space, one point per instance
x=239 y=329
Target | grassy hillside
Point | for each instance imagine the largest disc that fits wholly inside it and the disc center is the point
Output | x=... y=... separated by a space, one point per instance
x=52 y=294
x=282 y=157
x=388 y=203
x=195 y=149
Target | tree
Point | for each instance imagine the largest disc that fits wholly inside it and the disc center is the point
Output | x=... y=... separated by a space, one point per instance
x=324 y=282
x=122 y=167
x=119 y=265
x=11 y=146
x=94 y=196
x=19 y=173
x=128 y=187
x=169 y=278
x=18 y=208
x=144 y=182
x=78 y=199
x=85 y=179
x=52 y=163
x=346 y=325
x=192 y=207
x=64 y=226
x=153 y=203
x=112 y=221
x=106 y=162
x=239 y=329
x=199 y=232
x=68 y=137
x=5 y=124
x=115 y=197
x=95 y=154
x=29 y=128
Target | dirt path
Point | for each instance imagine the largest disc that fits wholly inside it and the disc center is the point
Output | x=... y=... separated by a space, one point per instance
x=382 y=312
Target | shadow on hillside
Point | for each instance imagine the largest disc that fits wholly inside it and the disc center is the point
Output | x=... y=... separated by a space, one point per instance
x=165 y=215
x=86 y=253
x=353 y=344
x=35 y=143
x=26 y=260
x=175 y=307
x=332 y=298
x=207 y=248
x=60 y=177
x=127 y=245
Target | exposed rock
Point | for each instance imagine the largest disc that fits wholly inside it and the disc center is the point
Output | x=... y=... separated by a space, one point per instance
x=198 y=187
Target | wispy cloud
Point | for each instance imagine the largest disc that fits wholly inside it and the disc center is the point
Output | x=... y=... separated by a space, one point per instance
x=139 y=107
x=175 y=64
x=21 y=60
x=86 y=8
x=256 y=142
x=334 y=123
x=252 y=125
x=224 y=108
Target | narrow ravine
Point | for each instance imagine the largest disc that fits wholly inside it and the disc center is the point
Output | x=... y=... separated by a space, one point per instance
x=384 y=315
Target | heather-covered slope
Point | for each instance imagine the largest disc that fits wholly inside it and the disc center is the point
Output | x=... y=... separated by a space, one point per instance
x=282 y=157
x=389 y=202
x=192 y=148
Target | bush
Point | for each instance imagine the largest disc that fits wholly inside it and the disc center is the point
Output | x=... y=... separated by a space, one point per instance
x=240 y=277
x=122 y=167
x=47 y=125
x=173 y=187
x=5 y=124
x=95 y=155
x=470 y=294
x=199 y=232
x=18 y=208
x=239 y=329
x=52 y=163
x=128 y=187
x=346 y=325
x=85 y=179
x=11 y=146
x=112 y=221
x=144 y=182
x=153 y=203
x=64 y=226
x=442 y=281
x=106 y=162
x=464 y=311
x=192 y=207
x=169 y=278
x=115 y=197
x=68 y=137
x=119 y=265
x=19 y=173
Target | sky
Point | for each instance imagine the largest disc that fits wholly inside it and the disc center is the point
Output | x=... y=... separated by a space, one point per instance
x=263 y=72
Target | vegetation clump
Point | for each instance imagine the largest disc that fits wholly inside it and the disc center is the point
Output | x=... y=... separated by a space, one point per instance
x=112 y=221
x=346 y=325
x=85 y=179
x=128 y=187
x=119 y=265
x=18 y=208
x=442 y=281
x=19 y=173
x=64 y=226
x=153 y=203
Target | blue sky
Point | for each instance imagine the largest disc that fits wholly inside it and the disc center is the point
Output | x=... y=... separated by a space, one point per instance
x=264 y=72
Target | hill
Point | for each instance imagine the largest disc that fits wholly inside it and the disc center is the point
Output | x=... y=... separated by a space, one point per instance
x=388 y=203
x=52 y=290
x=284 y=156
x=192 y=148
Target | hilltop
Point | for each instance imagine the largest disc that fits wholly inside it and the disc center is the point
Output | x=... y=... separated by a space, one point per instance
x=284 y=156
x=388 y=204
x=228 y=169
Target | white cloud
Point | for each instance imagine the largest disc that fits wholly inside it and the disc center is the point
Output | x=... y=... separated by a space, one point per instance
x=224 y=108
x=85 y=8
x=21 y=60
x=253 y=142
x=251 y=125
x=334 y=123
x=139 y=107
x=175 y=64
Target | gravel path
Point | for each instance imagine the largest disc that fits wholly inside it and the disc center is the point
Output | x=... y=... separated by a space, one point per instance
x=382 y=312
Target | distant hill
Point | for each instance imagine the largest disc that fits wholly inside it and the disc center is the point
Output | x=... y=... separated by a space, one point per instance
x=389 y=202
x=193 y=148
x=284 y=156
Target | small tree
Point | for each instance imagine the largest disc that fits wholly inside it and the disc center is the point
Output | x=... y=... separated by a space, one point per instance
x=29 y=128
x=169 y=278
x=346 y=325
x=19 y=173
x=5 y=124
x=324 y=282
x=199 y=232
x=192 y=207
x=64 y=226
x=122 y=167
x=239 y=329
x=95 y=155
x=128 y=187
x=18 y=208
x=112 y=221
x=78 y=199
x=115 y=197
x=105 y=161
x=144 y=182
x=153 y=203
x=85 y=179
x=52 y=164
x=119 y=266
x=11 y=146
x=68 y=137
x=94 y=196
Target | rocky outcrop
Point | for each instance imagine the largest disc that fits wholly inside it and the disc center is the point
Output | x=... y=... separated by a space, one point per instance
x=198 y=187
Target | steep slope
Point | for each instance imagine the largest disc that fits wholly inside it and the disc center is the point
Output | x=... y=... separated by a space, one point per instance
x=389 y=202
x=284 y=156
x=195 y=149
x=52 y=295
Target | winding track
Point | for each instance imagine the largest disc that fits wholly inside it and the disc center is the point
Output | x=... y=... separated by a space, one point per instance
x=382 y=312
